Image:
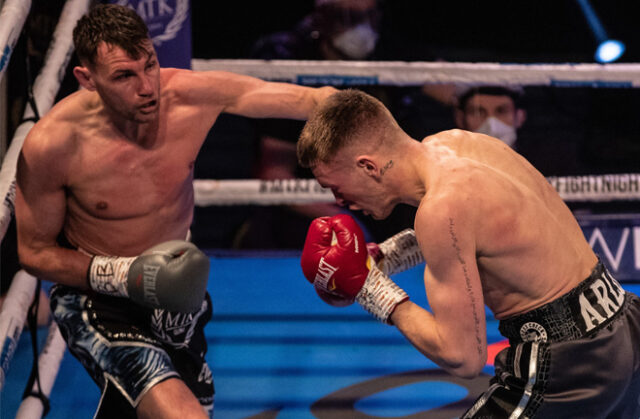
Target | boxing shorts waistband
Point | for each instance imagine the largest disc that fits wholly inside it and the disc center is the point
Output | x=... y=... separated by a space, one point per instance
x=582 y=311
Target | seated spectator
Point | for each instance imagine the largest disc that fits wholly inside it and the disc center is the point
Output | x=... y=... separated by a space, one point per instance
x=491 y=110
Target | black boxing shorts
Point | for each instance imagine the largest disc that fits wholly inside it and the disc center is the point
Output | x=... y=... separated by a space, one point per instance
x=127 y=348
x=575 y=357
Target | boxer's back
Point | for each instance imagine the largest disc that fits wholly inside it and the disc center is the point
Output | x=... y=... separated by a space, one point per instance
x=520 y=221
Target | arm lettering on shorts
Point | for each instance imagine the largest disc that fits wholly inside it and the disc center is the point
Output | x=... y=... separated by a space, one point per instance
x=469 y=289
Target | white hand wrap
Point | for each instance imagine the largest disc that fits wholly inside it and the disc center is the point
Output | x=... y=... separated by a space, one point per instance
x=400 y=252
x=380 y=295
x=108 y=275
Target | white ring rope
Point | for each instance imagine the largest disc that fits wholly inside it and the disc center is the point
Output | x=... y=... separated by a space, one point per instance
x=12 y=317
x=22 y=289
x=45 y=88
x=48 y=366
x=12 y=18
x=399 y=73
x=600 y=188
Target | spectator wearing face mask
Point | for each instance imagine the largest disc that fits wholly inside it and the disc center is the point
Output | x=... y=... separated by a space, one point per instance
x=334 y=30
x=493 y=110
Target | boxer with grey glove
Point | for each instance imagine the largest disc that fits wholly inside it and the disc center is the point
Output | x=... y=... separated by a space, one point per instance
x=172 y=275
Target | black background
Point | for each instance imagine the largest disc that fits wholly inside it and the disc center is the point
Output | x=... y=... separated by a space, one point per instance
x=455 y=30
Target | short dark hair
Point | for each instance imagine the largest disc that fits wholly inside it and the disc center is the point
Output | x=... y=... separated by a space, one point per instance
x=113 y=24
x=336 y=122
x=515 y=94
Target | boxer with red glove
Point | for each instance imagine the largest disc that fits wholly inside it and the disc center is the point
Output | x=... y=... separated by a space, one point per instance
x=336 y=261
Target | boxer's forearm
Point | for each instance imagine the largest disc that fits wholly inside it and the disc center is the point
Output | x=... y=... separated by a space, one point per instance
x=56 y=264
x=422 y=330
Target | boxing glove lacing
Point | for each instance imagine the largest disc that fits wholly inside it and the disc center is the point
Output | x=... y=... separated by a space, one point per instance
x=108 y=275
x=380 y=295
x=400 y=252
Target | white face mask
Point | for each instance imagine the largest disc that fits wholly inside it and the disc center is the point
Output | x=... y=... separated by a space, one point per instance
x=357 y=42
x=496 y=128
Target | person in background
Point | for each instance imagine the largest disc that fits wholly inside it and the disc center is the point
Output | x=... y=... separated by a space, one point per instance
x=492 y=110
x=334 y=30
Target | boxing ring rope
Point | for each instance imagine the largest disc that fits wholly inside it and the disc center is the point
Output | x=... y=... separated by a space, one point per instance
x=273 y=192
x=22 y=290
x=12 y=18
x=399 y=73
x=600 y=188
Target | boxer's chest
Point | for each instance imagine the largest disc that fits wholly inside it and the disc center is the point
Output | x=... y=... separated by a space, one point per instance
x=118 y=179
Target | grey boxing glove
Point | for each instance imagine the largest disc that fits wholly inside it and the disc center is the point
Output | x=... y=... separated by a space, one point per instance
x=172 y=275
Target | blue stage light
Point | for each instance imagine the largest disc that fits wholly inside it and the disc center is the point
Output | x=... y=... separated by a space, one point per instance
x=609 y=51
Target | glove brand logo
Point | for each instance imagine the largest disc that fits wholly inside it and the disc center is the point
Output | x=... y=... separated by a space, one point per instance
x=355 y=240
x=325 y=272
x=149 y=283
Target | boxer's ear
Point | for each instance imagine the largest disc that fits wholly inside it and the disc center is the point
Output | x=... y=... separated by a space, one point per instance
x=369 y=165
x=84 y=77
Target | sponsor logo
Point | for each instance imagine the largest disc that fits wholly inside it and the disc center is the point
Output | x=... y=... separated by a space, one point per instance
x=618 y=244
x=163 y=20
x=325 y=274
x=533 y=332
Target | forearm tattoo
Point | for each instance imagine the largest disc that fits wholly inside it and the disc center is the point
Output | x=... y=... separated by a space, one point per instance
x=469 y=289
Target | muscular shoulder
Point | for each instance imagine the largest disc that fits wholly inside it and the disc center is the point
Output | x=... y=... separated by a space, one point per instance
x=446 y=218
x=56 y=130
x=53 y=138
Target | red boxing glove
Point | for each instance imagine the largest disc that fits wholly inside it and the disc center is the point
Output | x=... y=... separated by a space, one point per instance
x=335 y=259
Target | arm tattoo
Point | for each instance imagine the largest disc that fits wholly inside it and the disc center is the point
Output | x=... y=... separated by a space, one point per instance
x=469 y=289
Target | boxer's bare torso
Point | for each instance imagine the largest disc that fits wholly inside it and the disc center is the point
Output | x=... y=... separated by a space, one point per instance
x=529 y=248
x=111 y=167
x=122 y=195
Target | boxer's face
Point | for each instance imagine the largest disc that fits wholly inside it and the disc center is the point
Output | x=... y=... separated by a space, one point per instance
x=354 y=189
x=128 y=86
